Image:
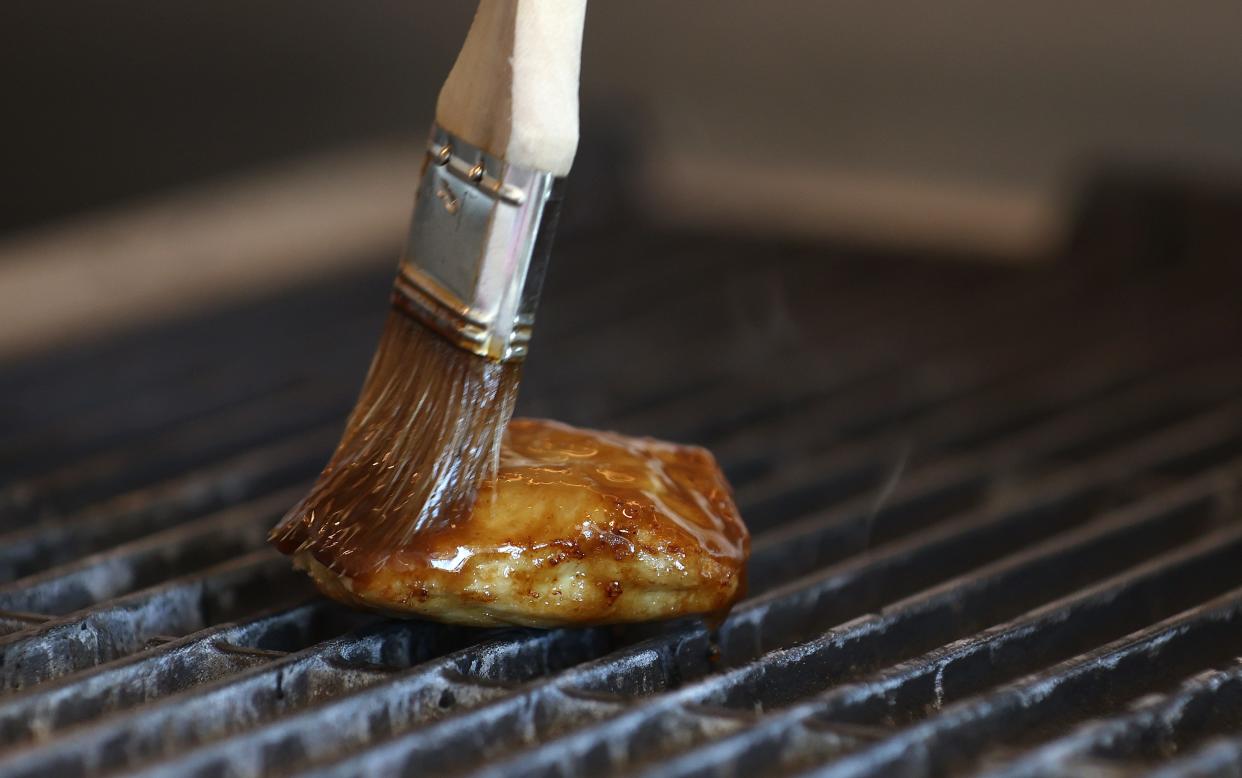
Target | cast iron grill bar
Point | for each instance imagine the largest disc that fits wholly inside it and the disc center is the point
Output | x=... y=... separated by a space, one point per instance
x=886 y=464
x=876 y=364
x=1099 y=422
x=138 y=564
x=659 y=726
x=122 y=626
x=165 y=504
x=330 y=362
x=1218 y=759
x=26 y=489
x=324 y=312
x=1012 y=472
x=173 y=451
x=968 y=419
x=187 y=349
x=1156 y=588
x=252 y=376
x=1093 y=683
x=775 y=737
x=111 y=522
x=296 y=683
x=164 y=669
x=27 y=492
x=326 y=353
x=862 y=414
x=473 y=733
x=1206 y=704
x=1005 y=586
x=311 y=338
x=299 y=347
x=14 y=544
x=1003 y=334
x=590 y=314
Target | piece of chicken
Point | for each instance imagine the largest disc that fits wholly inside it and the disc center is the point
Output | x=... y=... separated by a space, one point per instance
x=579 y=527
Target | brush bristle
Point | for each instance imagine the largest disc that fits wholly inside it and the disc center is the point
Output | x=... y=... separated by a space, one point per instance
x=425 y=432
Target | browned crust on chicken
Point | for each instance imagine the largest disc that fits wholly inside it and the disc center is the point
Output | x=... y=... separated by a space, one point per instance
x=580 y=527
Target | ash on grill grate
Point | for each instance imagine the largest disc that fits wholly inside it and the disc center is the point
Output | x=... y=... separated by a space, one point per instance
x=994 y=511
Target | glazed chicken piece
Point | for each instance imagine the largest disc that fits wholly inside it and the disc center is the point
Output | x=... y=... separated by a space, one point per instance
x=579 y=527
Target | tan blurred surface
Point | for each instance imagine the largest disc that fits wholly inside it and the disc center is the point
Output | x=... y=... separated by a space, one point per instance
x=192 y=249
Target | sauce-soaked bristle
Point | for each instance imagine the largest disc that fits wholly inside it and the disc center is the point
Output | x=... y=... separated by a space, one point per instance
x=425 y=432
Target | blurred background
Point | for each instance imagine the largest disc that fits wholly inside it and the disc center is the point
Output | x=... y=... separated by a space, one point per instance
x=948 y=288
x=265 y=140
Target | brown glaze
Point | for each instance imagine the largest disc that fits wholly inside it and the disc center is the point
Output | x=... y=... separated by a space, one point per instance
x=578 y=527
x=426 y=430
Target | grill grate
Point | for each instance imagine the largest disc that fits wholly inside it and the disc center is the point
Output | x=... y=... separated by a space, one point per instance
x=994 y=511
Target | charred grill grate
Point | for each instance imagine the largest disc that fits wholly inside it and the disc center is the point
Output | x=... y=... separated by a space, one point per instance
x=995 y=520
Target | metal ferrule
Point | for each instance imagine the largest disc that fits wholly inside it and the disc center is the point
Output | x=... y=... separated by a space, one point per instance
x=478 y=247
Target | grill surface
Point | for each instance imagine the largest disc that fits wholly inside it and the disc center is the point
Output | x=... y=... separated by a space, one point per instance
x=994 y=515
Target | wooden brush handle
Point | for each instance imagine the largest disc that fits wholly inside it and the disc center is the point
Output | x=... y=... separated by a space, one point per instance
x=514 y=89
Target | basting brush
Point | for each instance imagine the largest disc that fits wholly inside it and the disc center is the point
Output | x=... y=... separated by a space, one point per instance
x=428 y=423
